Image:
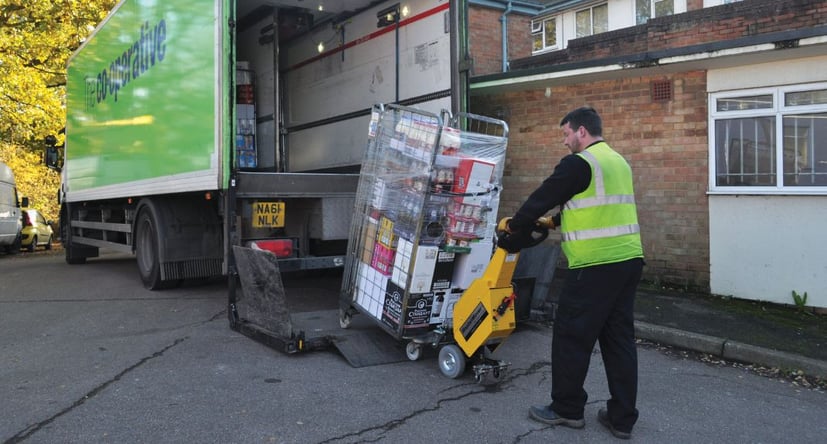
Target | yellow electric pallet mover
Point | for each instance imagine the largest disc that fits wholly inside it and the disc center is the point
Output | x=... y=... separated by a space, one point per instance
x=483 y=316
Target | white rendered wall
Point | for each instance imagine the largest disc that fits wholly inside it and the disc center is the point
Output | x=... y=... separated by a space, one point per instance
x=766 y=247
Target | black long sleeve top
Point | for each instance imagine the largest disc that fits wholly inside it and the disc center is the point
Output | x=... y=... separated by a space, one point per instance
x=571 y=176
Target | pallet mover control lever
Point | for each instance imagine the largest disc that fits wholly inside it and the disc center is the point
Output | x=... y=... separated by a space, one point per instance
x=493 y=294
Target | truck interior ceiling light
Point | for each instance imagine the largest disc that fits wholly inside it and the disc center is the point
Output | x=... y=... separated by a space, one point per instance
x=388 y=16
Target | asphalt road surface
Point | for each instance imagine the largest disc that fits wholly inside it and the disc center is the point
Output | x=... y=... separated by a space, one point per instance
x=88 y=356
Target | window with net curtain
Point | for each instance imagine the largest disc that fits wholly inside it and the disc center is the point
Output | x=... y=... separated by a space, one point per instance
x=776 y=139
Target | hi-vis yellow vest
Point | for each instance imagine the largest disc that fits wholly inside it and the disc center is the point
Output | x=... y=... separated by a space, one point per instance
x=599 y=225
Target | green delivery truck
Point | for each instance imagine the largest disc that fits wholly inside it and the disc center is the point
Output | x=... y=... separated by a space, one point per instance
x=197 y=125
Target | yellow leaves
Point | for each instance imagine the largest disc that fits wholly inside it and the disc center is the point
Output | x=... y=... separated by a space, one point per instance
x=34 y=180
x=37 y=37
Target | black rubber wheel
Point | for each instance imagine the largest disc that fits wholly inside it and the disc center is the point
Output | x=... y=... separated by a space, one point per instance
x=49 y=243
x=146 y=251
x=66 y=239
x=33 y=245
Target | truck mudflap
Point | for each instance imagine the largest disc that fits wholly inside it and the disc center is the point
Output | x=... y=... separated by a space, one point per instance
x=258 y=306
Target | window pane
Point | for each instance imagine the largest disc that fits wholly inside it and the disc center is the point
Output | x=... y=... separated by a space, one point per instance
x=817 y=97
x=744 y=103
x=551 y=33
x=601 y=18
x=744 y=152
x=6 y=195
x=583 y=23
x=643 y=11
x=805 y=150
x=664 y=8
x=536 y=26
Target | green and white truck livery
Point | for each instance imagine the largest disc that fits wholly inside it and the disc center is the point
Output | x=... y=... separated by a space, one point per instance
x=196 y=125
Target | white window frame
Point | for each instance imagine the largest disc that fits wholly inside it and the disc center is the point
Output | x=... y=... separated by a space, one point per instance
x=778 y=110
x=711 y=3
x=675 y=9
x=591 y=18
x=558 y=34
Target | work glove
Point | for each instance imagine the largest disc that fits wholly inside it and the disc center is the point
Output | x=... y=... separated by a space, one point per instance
x=516 y=241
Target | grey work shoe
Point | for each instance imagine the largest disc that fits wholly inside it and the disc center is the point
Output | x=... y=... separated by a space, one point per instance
x=603 y=418
x=546 y=415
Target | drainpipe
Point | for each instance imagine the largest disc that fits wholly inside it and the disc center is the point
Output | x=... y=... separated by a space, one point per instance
x=504 y=26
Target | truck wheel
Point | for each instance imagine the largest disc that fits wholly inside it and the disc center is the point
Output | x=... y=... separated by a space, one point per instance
x=451 y=361
x=146 y=251
x=72 y=258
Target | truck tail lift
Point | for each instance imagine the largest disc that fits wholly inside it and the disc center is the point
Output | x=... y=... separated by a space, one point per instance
x=265 y=315
x=483 y=317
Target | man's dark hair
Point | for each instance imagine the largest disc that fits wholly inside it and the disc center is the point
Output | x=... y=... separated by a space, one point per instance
x=586 y=117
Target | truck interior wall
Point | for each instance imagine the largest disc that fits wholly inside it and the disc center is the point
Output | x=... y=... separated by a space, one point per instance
x=327 y=95
x=256 y=46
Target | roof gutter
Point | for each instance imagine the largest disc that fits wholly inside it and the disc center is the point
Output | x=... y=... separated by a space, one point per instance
x=522 y=7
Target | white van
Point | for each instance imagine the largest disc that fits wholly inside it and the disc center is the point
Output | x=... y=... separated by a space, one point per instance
x=10 y=221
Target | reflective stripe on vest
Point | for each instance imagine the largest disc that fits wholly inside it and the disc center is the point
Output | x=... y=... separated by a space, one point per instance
x=597 y=227
x=596 y=233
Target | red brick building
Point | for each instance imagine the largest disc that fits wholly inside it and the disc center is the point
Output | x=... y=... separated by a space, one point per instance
x=719 y=110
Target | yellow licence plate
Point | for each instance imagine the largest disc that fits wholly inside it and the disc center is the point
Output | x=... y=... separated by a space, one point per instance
x=268 y=214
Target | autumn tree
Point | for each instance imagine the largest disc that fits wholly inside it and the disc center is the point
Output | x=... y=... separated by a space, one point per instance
x=37 y=37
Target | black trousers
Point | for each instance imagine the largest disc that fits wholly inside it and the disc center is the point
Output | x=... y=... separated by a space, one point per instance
x=597 y=304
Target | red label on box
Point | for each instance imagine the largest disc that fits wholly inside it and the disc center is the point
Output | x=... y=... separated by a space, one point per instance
x=382 y=259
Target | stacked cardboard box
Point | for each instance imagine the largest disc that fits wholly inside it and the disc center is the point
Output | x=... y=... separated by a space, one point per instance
x=245 y=146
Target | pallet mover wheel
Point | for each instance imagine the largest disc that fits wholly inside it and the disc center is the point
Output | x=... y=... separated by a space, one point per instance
x=451 y=361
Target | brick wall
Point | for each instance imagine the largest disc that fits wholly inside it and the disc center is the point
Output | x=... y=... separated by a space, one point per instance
x=665 y=143
x=696 y=26
x=485 y=38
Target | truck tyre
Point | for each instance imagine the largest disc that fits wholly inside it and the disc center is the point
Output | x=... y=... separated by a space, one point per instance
x=66 y=239
x=146 y=250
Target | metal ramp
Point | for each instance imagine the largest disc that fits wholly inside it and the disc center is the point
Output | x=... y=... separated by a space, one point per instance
x=259 y=309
